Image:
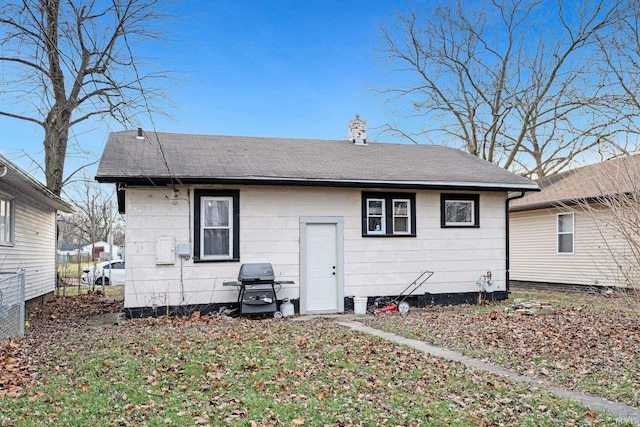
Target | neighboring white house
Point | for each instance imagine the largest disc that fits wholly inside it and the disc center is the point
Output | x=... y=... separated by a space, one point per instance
x=566 y=234
x=102 y=250
x=28 y=229
x=339 y=218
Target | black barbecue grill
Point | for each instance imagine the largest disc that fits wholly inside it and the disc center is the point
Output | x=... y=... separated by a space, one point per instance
x=257 y=289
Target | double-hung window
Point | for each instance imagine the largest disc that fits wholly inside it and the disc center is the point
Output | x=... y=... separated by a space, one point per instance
x=401 y=216
x=388 y=214
x=6 y=220
x=460 y=210
x=565 y=233
x=376 y=223
x=217 y=225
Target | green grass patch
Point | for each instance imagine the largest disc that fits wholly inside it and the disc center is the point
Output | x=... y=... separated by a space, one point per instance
x=71 y=291
x=268 y=372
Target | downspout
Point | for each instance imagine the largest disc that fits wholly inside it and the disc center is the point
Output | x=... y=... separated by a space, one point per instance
x=506 y=219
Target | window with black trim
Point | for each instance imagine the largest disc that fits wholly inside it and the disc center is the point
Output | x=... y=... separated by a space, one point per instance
x=460 y=210
x=388 y=214
x=216 y=225
x=6 y=220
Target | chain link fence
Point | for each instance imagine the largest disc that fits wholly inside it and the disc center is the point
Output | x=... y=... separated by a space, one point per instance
x=12 y=305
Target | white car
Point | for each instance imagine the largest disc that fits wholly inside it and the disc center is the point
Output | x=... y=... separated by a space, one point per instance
x=100 y=272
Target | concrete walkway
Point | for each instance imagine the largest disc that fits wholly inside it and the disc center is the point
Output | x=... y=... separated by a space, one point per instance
x=622 y=411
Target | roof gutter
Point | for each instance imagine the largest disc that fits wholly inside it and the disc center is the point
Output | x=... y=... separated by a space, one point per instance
x=506 y=228
x=436 y=185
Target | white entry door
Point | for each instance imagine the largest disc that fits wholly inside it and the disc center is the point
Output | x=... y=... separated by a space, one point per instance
x=322 y=270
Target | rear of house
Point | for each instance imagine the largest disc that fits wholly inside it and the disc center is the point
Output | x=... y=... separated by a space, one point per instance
x=337 y=218
x=28 y=229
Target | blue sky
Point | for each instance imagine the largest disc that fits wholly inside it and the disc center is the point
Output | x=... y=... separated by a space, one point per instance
x=259 y=68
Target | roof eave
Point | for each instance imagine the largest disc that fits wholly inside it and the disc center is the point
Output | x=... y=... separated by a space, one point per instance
x=453 y=185
x=35 y=189
x=555 y=204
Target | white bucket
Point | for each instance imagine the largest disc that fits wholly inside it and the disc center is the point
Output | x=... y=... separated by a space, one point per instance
x=286 y=308
x=360 y=305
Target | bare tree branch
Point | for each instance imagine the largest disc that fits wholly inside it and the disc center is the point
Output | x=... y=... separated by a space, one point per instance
x=489 y=79
x=70 y=60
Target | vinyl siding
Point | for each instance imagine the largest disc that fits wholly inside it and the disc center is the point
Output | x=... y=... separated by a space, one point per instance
x=270 y=232
x=34 y=245
x=533 y=249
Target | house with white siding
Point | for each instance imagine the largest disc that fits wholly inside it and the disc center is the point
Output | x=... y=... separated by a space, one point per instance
x=337 y=218
x=102 y=250
x=580 y=230
x=28 y=229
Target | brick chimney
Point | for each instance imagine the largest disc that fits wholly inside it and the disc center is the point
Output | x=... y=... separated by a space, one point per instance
x=358 y=131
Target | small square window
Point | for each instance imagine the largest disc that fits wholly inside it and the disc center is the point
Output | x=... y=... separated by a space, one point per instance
x=460 y=210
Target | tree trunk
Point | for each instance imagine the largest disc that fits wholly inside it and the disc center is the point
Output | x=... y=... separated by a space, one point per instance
x=64 y=59
x=55 y=148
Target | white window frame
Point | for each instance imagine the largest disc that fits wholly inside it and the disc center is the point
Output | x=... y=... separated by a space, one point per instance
x=382 y=216
x=203 y=227
x=7 y=234
x=564 y=233
x=407 y=216
x=471 y=223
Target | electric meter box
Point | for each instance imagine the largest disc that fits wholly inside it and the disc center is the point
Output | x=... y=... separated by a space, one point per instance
x=184 y=250
x=165 y=252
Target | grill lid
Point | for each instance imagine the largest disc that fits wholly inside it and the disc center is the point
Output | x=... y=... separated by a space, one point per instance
x=256 y=273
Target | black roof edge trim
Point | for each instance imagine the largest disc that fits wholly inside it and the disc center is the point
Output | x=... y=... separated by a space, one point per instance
x=148 y=182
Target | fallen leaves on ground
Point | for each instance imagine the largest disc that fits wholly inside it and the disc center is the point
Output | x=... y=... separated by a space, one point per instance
x=46 y=324
x=203 y=370
x=591 y=344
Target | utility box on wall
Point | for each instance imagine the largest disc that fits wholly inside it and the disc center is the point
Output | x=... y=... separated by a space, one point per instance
x=165 y=250
x=184 y=250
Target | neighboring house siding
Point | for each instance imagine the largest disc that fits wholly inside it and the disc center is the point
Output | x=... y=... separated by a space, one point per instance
x=34 y=245
x=534 y=256
x=270 y=232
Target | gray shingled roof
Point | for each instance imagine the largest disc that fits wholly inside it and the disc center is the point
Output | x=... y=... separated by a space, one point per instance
x=590 y=182
x=214 y=158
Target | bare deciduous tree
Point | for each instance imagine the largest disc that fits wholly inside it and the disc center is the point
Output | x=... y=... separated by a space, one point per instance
x=95 y=217
x=620 y=53
x=511 y=81
x=67 y=61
